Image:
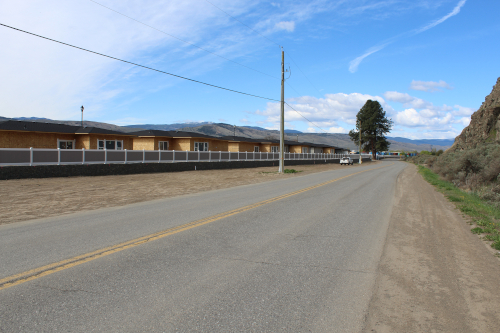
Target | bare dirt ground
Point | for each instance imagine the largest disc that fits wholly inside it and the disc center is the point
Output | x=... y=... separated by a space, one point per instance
x=434 y=275
x=26 y=199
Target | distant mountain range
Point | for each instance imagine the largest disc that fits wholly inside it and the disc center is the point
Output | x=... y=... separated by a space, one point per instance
x=254 y=132
x=434 y=142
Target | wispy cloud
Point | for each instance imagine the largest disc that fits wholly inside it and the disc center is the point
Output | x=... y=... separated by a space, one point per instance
x=353 y=64
x=429 y=86
x=286 y=25
x=454 y=12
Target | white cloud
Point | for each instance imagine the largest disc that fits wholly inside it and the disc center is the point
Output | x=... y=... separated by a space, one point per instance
x=454 y=12
x=463 y=111
x=51 y=80
x=427 y=118
x=430 y=86
x=407 y=100
x=398 y=97
x=325 y=112
x=464 y=121
x=286 y=25
x=353 y=65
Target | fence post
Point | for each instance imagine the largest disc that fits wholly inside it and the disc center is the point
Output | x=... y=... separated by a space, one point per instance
x=173 y=156
x=143 y=155
x=220 y=155
x=58 y=156
x=105 y=155
x=198 y=155
x=187 y=154
x=125 y=156
x=31 y=156
x=83 y=155
x=210 y=156
x=159 y=155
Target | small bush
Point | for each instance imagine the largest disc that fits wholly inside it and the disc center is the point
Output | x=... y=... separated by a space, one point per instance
x=291 y=171
x=455 y=199
x=477 y=230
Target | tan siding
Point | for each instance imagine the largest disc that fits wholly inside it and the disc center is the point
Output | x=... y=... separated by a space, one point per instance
x=181 y=144
x=13 y=139
x=248 y=146
x=82 y=141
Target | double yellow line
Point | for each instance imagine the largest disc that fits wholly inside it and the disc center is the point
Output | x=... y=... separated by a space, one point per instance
x=39 y=272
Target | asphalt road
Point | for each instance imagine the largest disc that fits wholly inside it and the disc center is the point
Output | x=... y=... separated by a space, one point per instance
x=290 y=255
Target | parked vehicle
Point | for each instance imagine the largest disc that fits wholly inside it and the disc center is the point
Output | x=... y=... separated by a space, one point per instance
x=346 y=160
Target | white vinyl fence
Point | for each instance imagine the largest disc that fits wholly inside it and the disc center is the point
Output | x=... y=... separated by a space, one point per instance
x=37 y=156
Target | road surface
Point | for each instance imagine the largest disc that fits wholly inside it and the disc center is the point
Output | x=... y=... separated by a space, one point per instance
x=299 y=254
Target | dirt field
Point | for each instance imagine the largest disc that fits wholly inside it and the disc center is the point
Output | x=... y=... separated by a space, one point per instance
x=27 y=199
x=434 y=275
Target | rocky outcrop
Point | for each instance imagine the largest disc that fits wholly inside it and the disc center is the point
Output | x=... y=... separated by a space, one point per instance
x=485 y=123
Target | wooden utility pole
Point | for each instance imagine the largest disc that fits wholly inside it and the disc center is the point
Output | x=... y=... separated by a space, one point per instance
x=282 y=118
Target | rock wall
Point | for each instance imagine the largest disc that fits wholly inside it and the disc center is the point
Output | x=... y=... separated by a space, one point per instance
x=484 y=125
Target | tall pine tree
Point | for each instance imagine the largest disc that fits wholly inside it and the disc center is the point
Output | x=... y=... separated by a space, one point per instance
x=374 y=125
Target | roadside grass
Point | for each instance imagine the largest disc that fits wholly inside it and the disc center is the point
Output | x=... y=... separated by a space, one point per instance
x=485 y=216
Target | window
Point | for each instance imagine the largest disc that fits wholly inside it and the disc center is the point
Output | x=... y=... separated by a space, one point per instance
x=275 y=149
x=66 y=144
x=256 y=149
x=163 y=145
x=201 y=146
x=287 y=149
x=110 y=144
x=305 y=150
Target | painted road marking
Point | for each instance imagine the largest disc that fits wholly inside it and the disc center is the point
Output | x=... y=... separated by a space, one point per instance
x=36 y=273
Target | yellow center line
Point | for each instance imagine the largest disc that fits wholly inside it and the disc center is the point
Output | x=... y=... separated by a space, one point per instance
x=39 y=272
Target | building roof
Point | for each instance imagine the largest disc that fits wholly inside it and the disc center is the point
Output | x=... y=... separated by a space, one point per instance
x=33 y=126
x=172 y=134
x=239 y=139
x=97 y=130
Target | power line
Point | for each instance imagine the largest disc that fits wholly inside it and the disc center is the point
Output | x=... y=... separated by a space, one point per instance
x=305 y=118
x=182 y=40
x=138 y=65
x=234 y=18
x=303 y=73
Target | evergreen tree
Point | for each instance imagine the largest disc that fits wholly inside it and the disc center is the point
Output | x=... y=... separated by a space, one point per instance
x=374 y=125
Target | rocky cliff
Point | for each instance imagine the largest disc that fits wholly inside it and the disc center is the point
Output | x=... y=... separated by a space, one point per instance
x=485 y=123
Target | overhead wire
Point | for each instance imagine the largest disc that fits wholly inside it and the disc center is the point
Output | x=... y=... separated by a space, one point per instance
x=182 y=40
x=310 y=122
x=289 y=55
x=138 y=65
x=149 y=26
x=270 y=40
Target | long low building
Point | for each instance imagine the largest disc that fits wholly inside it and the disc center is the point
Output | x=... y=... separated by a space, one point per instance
x=25 y=134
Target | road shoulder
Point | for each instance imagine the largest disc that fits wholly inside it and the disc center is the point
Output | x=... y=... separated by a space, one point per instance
x=434 y=274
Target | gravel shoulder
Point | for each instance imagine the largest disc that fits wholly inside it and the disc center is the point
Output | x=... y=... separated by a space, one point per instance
x=26 y=199
x=434 y=274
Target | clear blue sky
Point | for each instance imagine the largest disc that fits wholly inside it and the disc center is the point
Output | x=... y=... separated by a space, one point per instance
x=430 y=63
